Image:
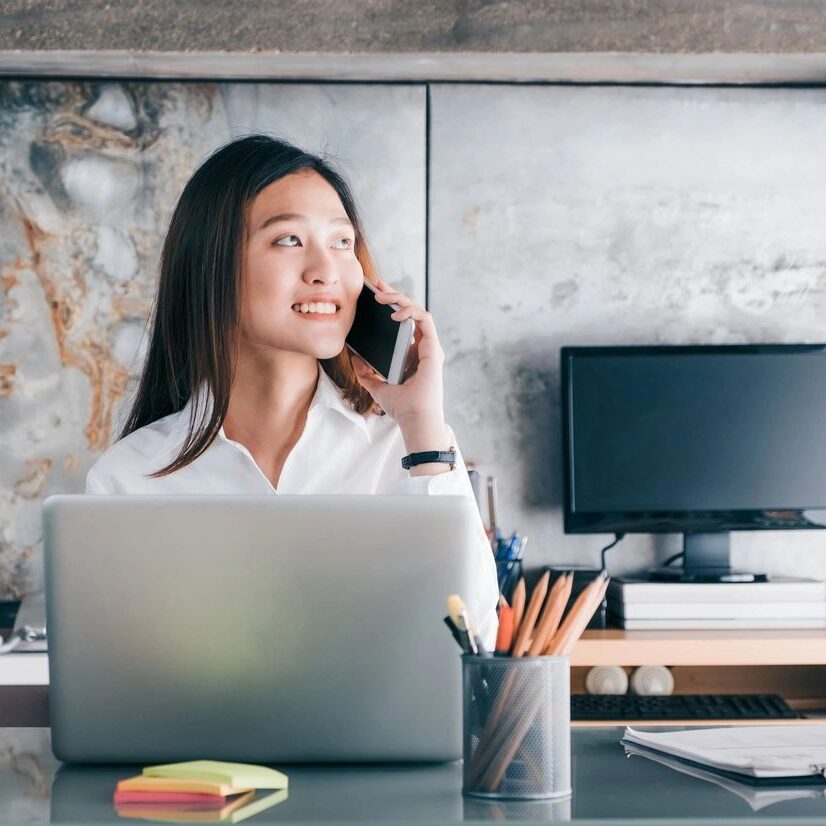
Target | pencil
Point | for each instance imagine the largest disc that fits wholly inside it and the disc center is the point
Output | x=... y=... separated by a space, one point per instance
x=497 y=752
x=526 y=708
x=588 y=614
x=526 y=627
x=518 y=603
x=552 y=614
x=578 y=617
x=517 y=706
x=499 y=730
x=504 y=636
x=499 y=720
x=492 y=526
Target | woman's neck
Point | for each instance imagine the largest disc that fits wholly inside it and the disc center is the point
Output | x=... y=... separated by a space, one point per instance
x=268 y=405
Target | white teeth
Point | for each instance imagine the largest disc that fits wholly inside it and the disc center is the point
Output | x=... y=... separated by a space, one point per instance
x=316 y=307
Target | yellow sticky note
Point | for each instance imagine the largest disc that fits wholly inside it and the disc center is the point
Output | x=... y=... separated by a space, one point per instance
x=239 y=775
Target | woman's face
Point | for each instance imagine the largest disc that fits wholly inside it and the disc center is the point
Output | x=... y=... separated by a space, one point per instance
x=301 y=275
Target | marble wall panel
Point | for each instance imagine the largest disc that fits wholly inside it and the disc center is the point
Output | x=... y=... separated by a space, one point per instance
x=615 y=215
x=89 y=174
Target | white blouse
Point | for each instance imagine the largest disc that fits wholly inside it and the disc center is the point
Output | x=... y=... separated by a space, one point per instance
x=340 y=451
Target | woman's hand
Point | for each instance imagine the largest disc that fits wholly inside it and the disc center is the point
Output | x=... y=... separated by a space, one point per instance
x=417 y=404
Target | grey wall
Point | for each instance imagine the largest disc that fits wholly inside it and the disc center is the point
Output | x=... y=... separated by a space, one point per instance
x=89 y=174
x=431 y=25
x=556 y=215
x=610 y=215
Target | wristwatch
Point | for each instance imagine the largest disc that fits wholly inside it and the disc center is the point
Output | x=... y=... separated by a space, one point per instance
x=446 y=457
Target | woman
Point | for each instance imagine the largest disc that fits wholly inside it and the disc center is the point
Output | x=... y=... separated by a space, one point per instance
x=247 y=386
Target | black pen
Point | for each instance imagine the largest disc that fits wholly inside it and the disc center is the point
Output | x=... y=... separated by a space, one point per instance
x=455 y=633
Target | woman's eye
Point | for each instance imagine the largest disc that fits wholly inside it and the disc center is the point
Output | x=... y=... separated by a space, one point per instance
x=348 y=243
x=286 y=238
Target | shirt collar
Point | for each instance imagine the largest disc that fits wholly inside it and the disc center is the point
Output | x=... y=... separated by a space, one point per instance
x=327 y=394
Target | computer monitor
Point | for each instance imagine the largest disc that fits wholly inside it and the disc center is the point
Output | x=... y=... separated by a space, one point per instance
x=699 y=440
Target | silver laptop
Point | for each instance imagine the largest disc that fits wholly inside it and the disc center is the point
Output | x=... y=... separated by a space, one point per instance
x=266 y=629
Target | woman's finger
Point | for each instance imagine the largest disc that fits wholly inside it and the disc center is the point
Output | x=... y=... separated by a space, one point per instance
x=428 y=345
x=393 y=298
x=371 y=381
x=419 y=314
x=363 y=369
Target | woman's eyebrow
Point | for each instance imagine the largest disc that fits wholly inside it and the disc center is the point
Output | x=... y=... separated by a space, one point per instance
x=294 y=216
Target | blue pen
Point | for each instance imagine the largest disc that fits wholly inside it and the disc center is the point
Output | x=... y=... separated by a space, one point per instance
x=513 y=545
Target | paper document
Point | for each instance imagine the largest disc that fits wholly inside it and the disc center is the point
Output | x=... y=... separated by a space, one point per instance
x=754 y=751
x=757 y=793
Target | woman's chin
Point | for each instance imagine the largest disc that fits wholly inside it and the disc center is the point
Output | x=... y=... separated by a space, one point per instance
x=330 y=351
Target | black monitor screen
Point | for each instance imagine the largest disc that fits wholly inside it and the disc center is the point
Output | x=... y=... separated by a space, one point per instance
x=694 y=430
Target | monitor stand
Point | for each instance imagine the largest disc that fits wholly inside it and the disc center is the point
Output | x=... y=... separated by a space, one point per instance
x=706 y=558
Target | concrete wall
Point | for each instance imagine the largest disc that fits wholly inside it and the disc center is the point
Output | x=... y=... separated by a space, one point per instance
x=556 y=215
x=433 y=25
x=89 y=174
x=610 y=215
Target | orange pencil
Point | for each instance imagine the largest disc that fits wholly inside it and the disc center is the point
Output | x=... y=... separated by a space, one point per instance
x=520 y=644
x=504 y=635
x=578 y=617
x=552 y=614
x=518 y=603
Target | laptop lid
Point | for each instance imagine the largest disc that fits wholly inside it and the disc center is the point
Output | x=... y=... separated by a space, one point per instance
x=269 y=629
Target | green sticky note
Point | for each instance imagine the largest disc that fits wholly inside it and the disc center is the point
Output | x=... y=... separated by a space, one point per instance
x=241 y=775
x=258 y=805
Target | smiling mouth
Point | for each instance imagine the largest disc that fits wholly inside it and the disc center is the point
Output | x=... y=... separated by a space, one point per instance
x=317 y=309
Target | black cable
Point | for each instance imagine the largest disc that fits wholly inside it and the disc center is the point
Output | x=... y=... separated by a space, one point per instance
x=673 y=559
x=618 y=537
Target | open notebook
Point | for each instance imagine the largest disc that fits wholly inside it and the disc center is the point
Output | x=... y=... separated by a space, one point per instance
x=752 y=751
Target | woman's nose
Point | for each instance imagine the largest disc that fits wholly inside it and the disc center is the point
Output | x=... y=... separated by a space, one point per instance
x=320 y=268
x=318 y=275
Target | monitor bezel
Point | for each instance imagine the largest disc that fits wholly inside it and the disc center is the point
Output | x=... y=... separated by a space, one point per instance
x=582 y=522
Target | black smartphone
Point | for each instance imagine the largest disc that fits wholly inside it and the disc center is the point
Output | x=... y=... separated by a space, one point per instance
x=382 y=342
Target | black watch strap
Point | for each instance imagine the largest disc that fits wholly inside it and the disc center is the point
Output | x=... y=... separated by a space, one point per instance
x=447 y=457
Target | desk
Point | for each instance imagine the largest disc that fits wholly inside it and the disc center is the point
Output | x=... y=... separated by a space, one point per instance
x=609 y=789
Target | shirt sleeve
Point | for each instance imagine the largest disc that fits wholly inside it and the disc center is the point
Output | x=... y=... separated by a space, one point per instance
x=95 y=484
x=456 y=482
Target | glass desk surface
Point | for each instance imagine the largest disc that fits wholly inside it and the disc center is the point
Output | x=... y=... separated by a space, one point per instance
x=608 y=788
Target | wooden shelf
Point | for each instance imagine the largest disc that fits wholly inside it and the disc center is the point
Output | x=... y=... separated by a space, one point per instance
x=614 y=646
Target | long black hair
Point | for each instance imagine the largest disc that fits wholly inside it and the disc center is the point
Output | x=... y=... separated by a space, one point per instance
x=197 y=310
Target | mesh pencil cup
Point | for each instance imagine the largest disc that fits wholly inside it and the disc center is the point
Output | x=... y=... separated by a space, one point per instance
x=517 y=727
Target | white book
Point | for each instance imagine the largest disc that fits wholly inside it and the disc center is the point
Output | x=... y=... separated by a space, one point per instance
x=753 y=751
x=779 y=589
x=713 y=624
x=718 y=610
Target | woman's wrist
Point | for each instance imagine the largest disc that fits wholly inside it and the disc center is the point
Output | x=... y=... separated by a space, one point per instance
x=421 y=434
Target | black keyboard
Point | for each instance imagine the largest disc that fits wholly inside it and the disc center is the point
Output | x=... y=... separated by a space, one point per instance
x=634 y=708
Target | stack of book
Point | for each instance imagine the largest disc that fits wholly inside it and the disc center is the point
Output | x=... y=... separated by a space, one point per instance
x=783 y=602
x=199 y=791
